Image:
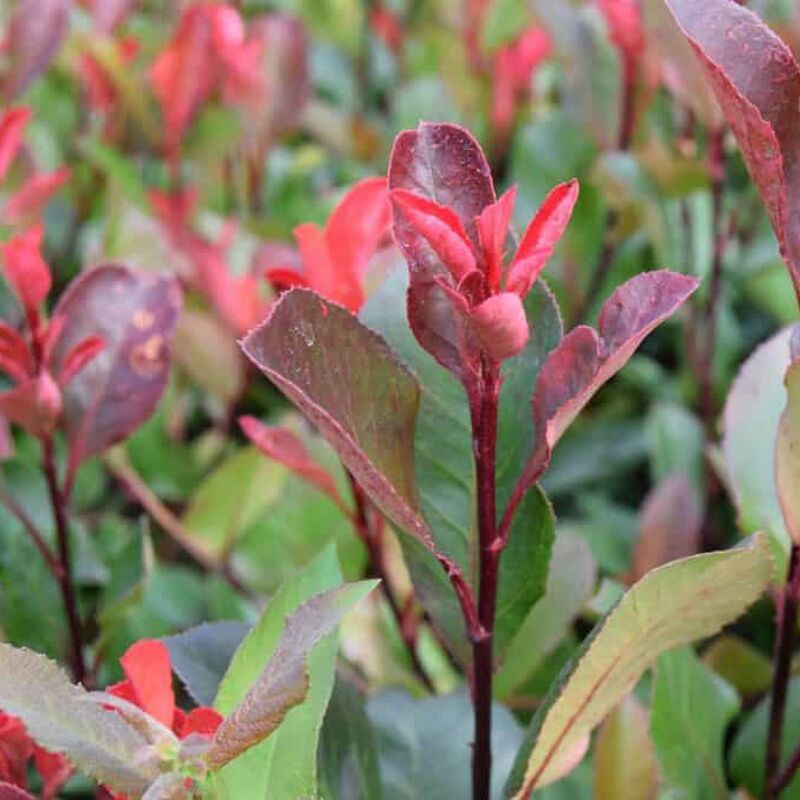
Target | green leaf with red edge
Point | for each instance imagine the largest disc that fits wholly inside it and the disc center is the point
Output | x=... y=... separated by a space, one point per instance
x=587 y=358
x=704 y=593
x=135 y=314
x=442 y=163
x=350 y=385
x=756 y=81
x=284 y=682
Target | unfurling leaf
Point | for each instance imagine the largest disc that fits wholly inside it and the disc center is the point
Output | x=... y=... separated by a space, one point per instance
x=61 y=718
x=587 y=358
x=10 y=792
x=756 y=80
x=284 y=682
x=135 y=315
x=350 y=385
x=672 y=606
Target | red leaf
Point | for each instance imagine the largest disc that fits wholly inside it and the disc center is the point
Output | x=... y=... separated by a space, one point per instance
x=25 y=268
x=79 y=357
x=12 y=125
x=16 y=749
x=200 y=721
x=501 y=325
x=493 y=224
x=14 y=350
x=283 y=278
x=119 y=388
x=34 y=36
x=756 y=81
x=624 y=21
x=283 y=446
x=441 y=228
x=34 y=405
x=320 y=271
x=147 y=667
x=540 y=239
x=586 y=358
x=445 y=164
x=349 y=384
x=358 y=224
x=28 y=201
x=54 y=770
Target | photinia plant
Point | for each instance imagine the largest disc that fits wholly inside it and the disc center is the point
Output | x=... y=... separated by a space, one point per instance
x=466 y=307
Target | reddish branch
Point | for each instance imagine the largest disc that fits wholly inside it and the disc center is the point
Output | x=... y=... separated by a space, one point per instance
x=784 y=646
x=64 y=575
x=484 y=410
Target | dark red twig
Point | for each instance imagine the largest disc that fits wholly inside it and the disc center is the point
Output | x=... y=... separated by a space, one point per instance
x=784 y=646
x=65 y=578
x=484 y=437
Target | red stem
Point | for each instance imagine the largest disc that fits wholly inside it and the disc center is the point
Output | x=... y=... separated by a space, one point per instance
x=784 y=645
x=484 y=438
x=59 y=505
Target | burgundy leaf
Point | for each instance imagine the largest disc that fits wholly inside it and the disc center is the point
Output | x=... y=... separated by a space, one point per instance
x=587 y=358
x=135 y=315
x=286 y=81
x=349 y=384
x=79 y=357
x=442 y=163
x=285 y=447
x=34 y=36
x=756 y=80
x=10 y=792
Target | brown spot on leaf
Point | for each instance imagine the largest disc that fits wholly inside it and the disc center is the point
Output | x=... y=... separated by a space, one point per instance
x=143 y=319
x=147 y=358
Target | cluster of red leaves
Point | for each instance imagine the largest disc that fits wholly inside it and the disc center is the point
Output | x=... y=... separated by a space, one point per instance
x=236 y=299
x=335 y=259
x=209 y=52
x=512 y=70
x=17 y=750
x=26 y=357
x=488 y=295
x=26 y=203
x=148 y=686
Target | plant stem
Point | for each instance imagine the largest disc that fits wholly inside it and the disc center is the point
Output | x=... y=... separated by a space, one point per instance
x=484 y=442
x=370 y=529
x=65 y=579
x=784 y=645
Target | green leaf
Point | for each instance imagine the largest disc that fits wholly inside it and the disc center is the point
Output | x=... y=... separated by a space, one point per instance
x=671 y=606
x=425 y=745
x=348 y=758
x=572 y=578
x=284 y=683
x=201 y=656
x=747 y=669
x=624 y=763
x=747 y=753
x=752 y=413
x=61 y=717
x=232 y=497
x=284 y=766
x=692 y=708
x=676 y=442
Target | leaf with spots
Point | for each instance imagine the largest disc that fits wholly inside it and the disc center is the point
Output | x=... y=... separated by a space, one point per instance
x=135 y=315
